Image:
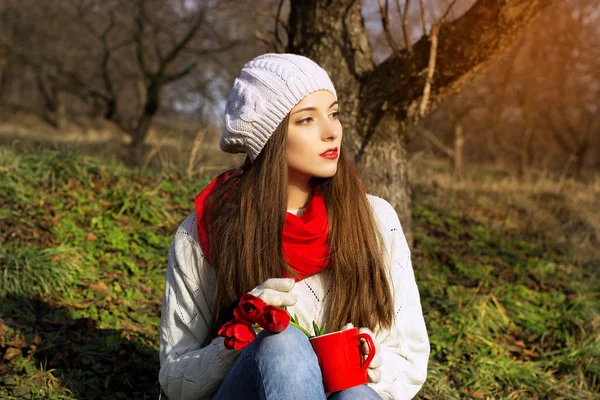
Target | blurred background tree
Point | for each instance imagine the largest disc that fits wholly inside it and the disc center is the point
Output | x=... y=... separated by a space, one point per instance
x=115 y=59
x=509 y=83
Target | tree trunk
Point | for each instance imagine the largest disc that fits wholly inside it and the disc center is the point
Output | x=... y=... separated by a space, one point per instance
x=378 y=102
x=60 y=113
x=459 y=141
x=527 y=145
x=150 y=101
x=580 y=158
x=3 y=67
x=340 y=46
x=385 y=169
x=47 y=92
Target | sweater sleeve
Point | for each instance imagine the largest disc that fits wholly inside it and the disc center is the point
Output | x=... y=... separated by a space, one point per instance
x=188 y=370
x=405 y=347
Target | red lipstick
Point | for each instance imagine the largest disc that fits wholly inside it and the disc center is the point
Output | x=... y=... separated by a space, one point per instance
x=331 y=154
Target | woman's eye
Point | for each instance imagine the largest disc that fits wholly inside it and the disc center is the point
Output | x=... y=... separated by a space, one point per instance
x=305 y=120
x=308 y=119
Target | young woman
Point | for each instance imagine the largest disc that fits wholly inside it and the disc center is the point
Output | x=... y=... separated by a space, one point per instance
x=293 y=226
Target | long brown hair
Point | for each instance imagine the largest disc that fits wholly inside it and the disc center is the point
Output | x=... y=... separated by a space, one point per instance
x=246 y=215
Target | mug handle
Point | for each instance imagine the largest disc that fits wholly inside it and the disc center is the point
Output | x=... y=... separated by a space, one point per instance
x=371 y=345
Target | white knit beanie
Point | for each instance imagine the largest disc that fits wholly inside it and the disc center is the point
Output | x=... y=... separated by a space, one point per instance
x=268 y=87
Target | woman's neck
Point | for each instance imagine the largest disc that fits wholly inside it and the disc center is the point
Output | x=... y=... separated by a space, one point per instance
x=298 y=197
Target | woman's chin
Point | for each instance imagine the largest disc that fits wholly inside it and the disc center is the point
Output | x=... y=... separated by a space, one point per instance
x=325 y=173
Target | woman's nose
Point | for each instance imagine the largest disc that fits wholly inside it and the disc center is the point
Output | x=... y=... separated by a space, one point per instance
x=331 y=129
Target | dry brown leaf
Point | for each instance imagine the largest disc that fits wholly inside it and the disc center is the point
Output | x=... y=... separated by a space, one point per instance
x=11 y=353
x=3 y=328
x=477 y=394
x=530 y=353
x=91 y=237
x=82 y=305
x=36 y=339
x=16 y=342
x=130 y=327
x=133 y=327
x=98 y=287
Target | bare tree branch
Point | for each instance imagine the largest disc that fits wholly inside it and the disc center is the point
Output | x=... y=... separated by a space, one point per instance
x=462 y=54
x=385 y=21
x=405 y=28
x=423 y=17
x=170 y=57
x=68 y=80
x=269 y=41
x=448 y=10
x=557 y=133
x=435 y=29
x=140 y=23
x=178 y=75
x=215 y=50
x=277 y=22
x=426 y=133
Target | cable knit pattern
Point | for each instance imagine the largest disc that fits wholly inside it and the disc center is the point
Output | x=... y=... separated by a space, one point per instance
x=188 y=371
x=268 y=87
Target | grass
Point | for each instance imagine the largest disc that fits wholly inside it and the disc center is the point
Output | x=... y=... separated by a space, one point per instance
x=30 y=272
x=509 y=282
x=506 y=271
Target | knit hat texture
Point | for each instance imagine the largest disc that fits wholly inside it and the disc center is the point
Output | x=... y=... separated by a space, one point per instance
x=268 y=88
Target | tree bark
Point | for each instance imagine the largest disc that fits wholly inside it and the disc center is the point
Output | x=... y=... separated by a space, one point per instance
x=459 y=142
x=3 y=65
x=379 y=101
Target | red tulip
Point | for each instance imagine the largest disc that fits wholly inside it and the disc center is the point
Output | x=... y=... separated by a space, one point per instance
x=237 y=334
x=249 y=309
x=274 y=319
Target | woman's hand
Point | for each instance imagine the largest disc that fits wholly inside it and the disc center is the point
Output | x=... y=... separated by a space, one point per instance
x=276 y=292
x=373 y=370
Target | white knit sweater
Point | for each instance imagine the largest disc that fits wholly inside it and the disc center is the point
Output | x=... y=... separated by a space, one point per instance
x=188 y=371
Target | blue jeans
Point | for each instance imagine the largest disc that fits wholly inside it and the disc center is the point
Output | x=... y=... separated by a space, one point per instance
x=281 y=366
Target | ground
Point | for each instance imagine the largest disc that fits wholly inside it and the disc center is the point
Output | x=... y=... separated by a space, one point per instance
x=507 y=272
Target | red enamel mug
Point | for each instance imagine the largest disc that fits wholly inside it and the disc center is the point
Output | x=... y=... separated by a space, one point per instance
x=339 y=354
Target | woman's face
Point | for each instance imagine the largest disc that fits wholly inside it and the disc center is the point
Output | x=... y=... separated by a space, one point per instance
x=313 y=128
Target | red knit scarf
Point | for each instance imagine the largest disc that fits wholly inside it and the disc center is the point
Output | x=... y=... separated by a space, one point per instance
x=305 y=247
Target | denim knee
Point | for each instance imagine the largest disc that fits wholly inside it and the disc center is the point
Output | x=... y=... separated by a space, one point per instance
x=291 y=344
x=362 y=392
x=275 y=366
x=289 y=353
